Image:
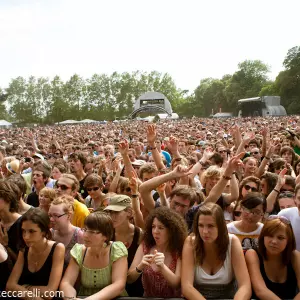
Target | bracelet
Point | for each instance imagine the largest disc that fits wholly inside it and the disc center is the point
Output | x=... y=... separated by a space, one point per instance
x=134 y=196
x=278 y=192
x=138 y=270
x=267 y=158
x=226 y=177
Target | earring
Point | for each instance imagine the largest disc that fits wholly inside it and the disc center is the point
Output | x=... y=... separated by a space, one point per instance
x=104 y=245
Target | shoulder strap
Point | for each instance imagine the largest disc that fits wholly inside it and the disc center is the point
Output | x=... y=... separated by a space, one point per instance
x=136 y=235
x=83 y=256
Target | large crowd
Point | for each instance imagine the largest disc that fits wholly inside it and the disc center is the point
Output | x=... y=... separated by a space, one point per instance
x=192 y=208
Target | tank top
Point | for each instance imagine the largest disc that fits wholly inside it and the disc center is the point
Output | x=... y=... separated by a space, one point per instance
x=134 y=289
x=154 y=283
x=40 y=277
x=219 y=285
x=285 y=290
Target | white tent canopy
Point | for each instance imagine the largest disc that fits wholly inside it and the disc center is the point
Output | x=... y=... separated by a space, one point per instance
x=88 y=121
x=68 y=122
x=5 y=123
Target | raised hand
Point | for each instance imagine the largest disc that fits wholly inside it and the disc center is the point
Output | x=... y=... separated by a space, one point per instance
x=248 y=137
x=235 y=162
x=151 y=134
x=181 y=171
x=281 y=178
x=123 y=147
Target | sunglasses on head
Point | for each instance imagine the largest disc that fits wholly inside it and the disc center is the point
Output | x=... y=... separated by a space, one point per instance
x=237 y=213
x=96 y=188
x=248 y=187
x=281 y=218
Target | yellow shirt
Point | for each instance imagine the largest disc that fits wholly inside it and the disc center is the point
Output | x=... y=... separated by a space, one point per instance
x=80 y=213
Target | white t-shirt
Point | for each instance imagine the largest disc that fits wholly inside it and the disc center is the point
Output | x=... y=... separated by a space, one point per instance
x=292 y=214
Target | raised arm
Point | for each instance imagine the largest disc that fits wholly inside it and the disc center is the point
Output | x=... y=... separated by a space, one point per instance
x=217 y=190
x=123 y=148
x=261 y=169
x=152 y=184
x=151 y=138
x=272 y=197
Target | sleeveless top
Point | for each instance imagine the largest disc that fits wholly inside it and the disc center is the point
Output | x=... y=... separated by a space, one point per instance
x=73 y=241
x=154 y=283
x=40 y=277
x=94 y=280
x=134 y=289
x=219 y=285
x=285 y=290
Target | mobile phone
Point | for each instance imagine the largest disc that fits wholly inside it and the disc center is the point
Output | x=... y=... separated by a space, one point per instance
x=27 y=159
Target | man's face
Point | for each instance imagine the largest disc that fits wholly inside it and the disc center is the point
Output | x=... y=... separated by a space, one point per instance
x=180 y=205
x=64 y=187
x=147 y=176
x=181 y=147
x=75 y=165
x=297 y=200
x=255 y=153
x=38 y=180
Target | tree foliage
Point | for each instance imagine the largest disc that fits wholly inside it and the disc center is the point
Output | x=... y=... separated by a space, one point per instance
x=106 y=97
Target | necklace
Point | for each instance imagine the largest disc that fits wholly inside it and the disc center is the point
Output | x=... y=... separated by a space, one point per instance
x=38 y=255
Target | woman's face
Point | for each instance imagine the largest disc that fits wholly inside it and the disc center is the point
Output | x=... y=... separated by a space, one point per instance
x=207 y=228
x=211 y=182
x=250 y=166
x=108 y=181
x=56 y=173
x=159 y=232
x=31 y=233
x=119 y=218
x=94 y=191
x=298 y=169
x=279 y=168
x=264 y=187
x=287 y=156
x=248 y=188
x=276 y=243
x=44 y=201
x=59 y=218
x=252 y=216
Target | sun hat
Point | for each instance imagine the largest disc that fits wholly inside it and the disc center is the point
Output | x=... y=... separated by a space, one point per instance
x=119 y=203
x=13 y=166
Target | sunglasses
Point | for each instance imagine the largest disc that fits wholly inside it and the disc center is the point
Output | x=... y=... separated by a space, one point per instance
x=281 y=218
x=222 y=151
x=96 y=188
x=63 y=187
x=255 y=153
x=248 y=187
x=57 y=153
x=237 y=213
x=286 y=194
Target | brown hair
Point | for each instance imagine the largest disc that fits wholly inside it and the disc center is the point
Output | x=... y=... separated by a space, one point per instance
x=290 y=150
x=269 y=229
x=147 y=168
x=61 y=165
x=102 y=222
x=42 y=166
x=189 y=193
x=175 y=224
x=19 y=181
x=247 y=180
x=11 y=194
x=222 y=242
x=92 y=180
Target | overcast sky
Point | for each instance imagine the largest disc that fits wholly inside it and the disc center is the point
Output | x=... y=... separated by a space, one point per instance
x=188 y=39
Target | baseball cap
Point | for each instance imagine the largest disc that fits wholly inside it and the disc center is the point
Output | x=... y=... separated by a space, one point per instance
x=119 y=203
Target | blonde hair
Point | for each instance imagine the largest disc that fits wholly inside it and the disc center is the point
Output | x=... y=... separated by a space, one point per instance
x=67 y=201
x=212 y=171
x=49 y=193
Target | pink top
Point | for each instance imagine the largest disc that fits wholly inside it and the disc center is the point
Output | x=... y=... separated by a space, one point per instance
x=154 y=283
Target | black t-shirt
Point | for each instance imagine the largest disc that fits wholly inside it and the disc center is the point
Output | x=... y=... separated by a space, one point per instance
x=82 y=190
x=33 y=199
x=14 y=236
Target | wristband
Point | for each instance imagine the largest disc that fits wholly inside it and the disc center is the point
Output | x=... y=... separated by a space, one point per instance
x=278 y=192
x=267 y=158
x=134 y=196
x=138 y=270
x=226 y=177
